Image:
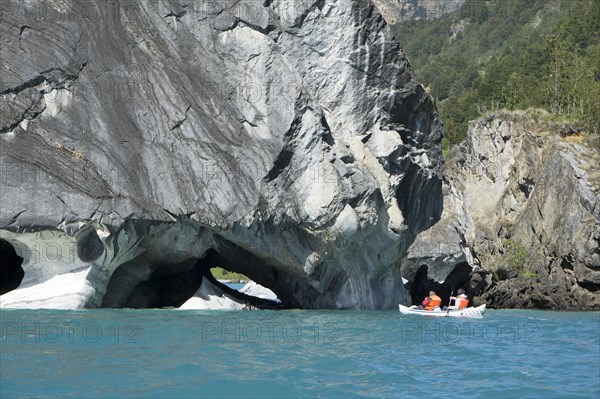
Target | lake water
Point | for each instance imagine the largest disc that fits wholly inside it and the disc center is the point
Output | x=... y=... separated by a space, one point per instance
x=236 y=286
x=297 y=353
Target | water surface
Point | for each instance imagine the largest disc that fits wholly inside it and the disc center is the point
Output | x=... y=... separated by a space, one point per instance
x=293 y=353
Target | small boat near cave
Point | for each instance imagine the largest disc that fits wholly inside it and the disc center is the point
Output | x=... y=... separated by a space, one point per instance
x=467 y=312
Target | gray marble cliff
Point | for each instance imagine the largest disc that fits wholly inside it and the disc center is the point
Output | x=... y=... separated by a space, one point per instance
x=144 y=142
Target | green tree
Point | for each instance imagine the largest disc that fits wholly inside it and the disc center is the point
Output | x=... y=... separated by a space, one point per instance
x=511 y=53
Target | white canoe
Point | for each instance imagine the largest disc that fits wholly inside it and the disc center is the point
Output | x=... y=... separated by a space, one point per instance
x=468 y=312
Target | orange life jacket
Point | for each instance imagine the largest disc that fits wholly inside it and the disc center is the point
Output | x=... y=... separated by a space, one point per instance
x=463 y=303
x=435 y=301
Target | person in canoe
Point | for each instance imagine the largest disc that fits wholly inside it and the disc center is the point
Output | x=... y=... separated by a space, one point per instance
x=431 y=302
x=461 y=301
x=425 y=303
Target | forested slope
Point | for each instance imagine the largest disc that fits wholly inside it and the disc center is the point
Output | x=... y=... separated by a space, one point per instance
x=512 y=54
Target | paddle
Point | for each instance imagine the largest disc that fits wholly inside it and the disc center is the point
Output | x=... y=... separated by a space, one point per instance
x=449 y=302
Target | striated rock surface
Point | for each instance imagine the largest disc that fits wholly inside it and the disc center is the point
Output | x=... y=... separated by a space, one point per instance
x=257 y=290
x=395 y=11
x=210 y=297
x=522 y=211
x=286 y=140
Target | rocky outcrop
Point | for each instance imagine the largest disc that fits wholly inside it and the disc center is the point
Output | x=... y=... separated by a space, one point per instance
x=398 y=11
x=150 y=141
x=522 y=210
x=212 y=297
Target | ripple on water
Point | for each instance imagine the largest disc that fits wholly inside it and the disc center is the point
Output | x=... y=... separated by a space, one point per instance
x=304 y=354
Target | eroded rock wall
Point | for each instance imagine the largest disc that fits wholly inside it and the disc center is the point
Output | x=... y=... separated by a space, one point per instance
x=522 y=209
x=290 y=138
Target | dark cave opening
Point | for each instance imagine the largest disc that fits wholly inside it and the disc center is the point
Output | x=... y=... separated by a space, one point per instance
x=166 y=287
x=11 y=272
x=139 y=284
x=588 y=285
x=284 y=283
x=89 y=245
x=213 y=259
x=458 y=278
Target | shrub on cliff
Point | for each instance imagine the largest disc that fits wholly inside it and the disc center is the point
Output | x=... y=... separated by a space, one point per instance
x=513 y=262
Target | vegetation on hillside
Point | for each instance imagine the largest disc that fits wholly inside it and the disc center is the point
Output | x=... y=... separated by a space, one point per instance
x=223 y=274
x=510 y=54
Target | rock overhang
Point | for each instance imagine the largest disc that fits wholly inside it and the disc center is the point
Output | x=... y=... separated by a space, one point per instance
x=254 y=130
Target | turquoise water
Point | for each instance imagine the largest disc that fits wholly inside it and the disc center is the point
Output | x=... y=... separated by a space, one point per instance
x=264 y=354
x=236 y=286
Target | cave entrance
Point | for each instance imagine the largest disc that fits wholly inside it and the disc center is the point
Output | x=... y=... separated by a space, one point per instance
x=141 y=283
x=229 y=277
x=421 y=284
x=11 y=272
x=167 y=286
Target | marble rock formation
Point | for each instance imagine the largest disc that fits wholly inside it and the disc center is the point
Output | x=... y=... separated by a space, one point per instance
x=143 y=143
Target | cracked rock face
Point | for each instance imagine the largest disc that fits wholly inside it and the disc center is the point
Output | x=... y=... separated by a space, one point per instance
x=523 y=212
x=285 y=140
x=400 y=11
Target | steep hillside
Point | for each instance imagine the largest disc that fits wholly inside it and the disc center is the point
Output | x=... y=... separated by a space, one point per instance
x=512 y=54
